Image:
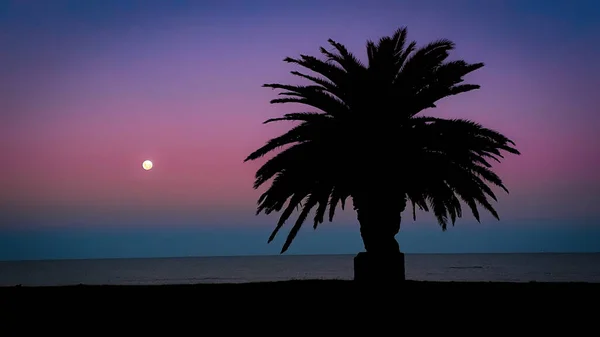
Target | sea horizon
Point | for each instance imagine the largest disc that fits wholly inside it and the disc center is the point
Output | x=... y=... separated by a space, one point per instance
x=487 y=267
x=284 y=255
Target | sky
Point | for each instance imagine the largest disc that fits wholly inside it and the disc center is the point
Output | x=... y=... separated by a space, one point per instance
x=90 y=89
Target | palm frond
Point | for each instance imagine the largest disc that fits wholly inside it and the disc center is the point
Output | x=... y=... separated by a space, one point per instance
x=300 y=116
x=296 y=134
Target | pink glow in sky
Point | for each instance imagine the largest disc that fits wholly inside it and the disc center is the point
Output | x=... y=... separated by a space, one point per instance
x=87 y=96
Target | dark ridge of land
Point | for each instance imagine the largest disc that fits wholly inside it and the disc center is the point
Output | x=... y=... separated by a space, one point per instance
x=331 y=287
x=323 y=284
x=316 y=305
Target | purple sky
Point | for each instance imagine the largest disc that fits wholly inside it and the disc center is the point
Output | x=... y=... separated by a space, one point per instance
x=89 y=89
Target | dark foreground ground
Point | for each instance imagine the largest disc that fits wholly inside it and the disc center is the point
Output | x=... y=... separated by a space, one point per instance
x=486 y=308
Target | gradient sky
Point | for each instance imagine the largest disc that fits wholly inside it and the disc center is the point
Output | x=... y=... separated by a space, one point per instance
x=89 y=89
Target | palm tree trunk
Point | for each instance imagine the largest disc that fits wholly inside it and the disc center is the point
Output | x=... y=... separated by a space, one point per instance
x=379 y=217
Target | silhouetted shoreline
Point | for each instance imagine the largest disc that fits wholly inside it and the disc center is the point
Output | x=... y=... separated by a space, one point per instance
x=327 y=284
x=320 y=304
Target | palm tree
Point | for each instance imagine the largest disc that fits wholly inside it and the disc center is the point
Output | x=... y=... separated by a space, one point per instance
x=364 y=136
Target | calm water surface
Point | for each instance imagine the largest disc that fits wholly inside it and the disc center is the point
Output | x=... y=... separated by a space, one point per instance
x=443 y=267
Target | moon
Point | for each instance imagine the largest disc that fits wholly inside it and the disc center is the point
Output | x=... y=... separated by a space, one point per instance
x=147 y=165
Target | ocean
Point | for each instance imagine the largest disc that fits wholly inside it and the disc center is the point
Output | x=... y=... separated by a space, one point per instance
x=432 y=267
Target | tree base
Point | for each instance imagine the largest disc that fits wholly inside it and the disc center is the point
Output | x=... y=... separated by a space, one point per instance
x=388 y=268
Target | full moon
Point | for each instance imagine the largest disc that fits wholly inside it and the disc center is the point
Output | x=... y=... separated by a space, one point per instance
x=147 y=165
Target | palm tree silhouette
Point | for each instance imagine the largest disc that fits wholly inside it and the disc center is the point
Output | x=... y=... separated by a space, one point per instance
x=363 y=137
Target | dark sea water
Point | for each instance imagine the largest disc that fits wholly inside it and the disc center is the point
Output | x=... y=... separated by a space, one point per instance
x=442 y=267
